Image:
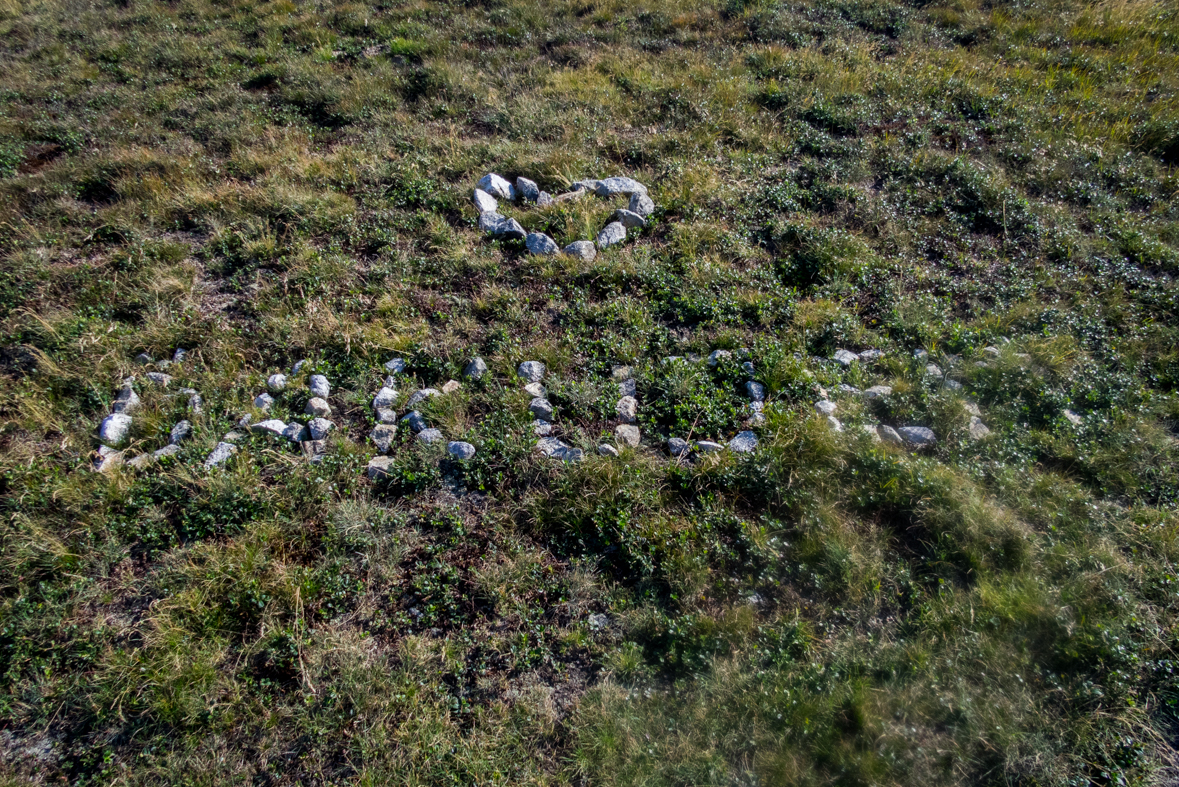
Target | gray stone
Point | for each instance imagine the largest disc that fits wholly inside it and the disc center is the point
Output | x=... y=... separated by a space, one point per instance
x=527 y=190
x=708 y=446
x=627 y=387
x=835 y=424
x=627 y=434
x=628 y=409
x=542 y=428
x=551 y=447
x=319 y=428
x=743 y=443
x=678 y=446
x=845 y=357
x=629 y=219
x=475 y=369
x=430 y=436
x=273 y=427
x=544 y=200
x=422 y=395
x=142 y=461
x=386 y=415
x=245 y=421
x=993 y=352
x=395 y=366
x=378 y=467
x=233 y=437
x=314 y=450
x=532 y=371
x=220 y=454
x=168 y=450
x=871 y=355
x=972 y=408
x=495 y=224
x=850 y=390
x=126 y=401
x=180 y=432
x=413 y=419
x=747 y=367
x=715 y=358
x=977 y=429
x=756 y=391
x=1073 y=418
x=179 y=355
x=114 y=428
x=298 y=366
x=889 y=435
x=196 y=405
x=598 y=621
x=585 y=186
x=574 y=455
x=385 y=399
x=825 y=407
x=497 y=187
x=933 y=370
x=917 y=436
x=106 y=459
x=277 y=383
x=319 y=386
x=541 y=408
x=460 y=450
x=535 y=389
x=870 y=432
x=541 y=244
x=951 y=385
x=877 y=391
x=641 y=204
x=263 y=401
x=160 y=379
x=569 y=196
x=611 y=187
x=484 y=202
x=757 y=418
x=612 y=234
x=296 y=432
x=582 y=249
x=318 y=408
x=143 y=359
x=382 y=436
x=605 y=449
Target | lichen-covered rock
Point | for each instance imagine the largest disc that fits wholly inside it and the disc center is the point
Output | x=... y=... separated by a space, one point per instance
x=317 y=407
x=756 y=391
x=263 y=401
x=743 y=443
x=422 y=395
x=460 y=450
x=877 y=391
x=382 y=436
x=825 y=407
x=612 y=234
x=628 y=387
x=196 y=405
x=414 y=420
x=106 y=459
x=889 y=435
x=535 y=389
x=160 y=379
x=386 y=415
x=542 y=428
x=531 y=371
x=977 y=429
x=395 y=366
x=716 y=356
x=126 y=401
x=845 y=357
x=627 y=434
x=378 y=467
x=450 y=386
x=273 y=427
x=495 y=224
x=551 y=447
x=180 y=432
x=296 y=432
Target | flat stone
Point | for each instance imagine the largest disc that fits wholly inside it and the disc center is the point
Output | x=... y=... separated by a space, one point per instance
x=168 y=450
x=569 y=196
x=541 y=408
x=220 y=454
x=317 y=407
x=484 y=202
x=542 y=428
x=708 y=446
x=142 y=461
x=917 y=436
x=851 y=390
x=977 y=429
x=605 y=449
x=877 y=391
x=386 y=415
x=276 y=383
x=296 y=432
x=1073 y=418
x=319 y=428
x=551 y=447
x=582 y=249
x=532 y=371
x=160 y=379
x=612 y=234
x=527 y=190
x=628 y=387
x=460 y=450
x=378 y=467
x=233 y=437
x=541 y=244
x=385 y=399
x=126 y=401
x=450 y=386
x=611 y=187
x=430 y=436
x=627 y=434
x=629 y=219
x=716 y=356
x=263 y=401
x=414 y=420
x=497 y=187
x=743 y=443
x=273 y=427
x=845 y=357
x=678 y=446
x=889 y=435
x=180 y=432
x=422 y=395
x=475 y=369
x=319 y=386
x=382 y=436
x=395 y=366
x=628 y=409
x=573 y=455
x=641 y=204
x=114 y=428
x=825 y=407
x=756 y=391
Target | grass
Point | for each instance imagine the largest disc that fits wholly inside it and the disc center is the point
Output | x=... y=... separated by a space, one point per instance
x=266 y=182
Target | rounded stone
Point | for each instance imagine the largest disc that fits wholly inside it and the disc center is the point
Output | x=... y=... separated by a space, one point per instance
x=627 y=434
x=319 y=386
x=276 y=383
x=531 y=371
x=114 y=428
x=430 y=436
x=317 y=407
x=475 y=369
x=582 y=249
x=460 y=450
x=319 y=428
x=743 y=443
x=678 y=446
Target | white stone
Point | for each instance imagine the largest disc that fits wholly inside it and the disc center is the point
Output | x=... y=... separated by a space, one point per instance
x=273 y=427
x=114 y=428
x=276 y=383
x=743 y=443
x=484 y=202
x=497 y=187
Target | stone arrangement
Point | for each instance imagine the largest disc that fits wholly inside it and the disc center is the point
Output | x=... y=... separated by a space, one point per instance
x=493 y=188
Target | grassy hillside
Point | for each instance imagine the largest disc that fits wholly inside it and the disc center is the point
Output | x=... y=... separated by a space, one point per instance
x=991 y=182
